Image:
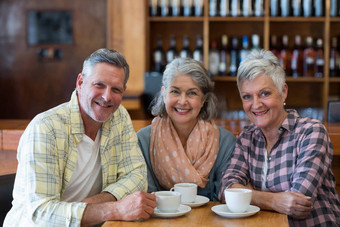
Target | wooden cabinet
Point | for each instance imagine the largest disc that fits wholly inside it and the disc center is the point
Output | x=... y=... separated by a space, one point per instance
x=303 y=91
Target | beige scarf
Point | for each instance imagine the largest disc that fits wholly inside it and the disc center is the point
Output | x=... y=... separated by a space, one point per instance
x=172 y=163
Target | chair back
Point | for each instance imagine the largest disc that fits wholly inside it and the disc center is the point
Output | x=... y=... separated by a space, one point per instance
x=333 y=111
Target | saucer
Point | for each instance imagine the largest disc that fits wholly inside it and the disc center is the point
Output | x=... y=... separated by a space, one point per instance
x=223 y=211
x=182 y=210
x=199 y=201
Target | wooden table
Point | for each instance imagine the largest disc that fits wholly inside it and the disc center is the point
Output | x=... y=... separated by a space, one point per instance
x=204 y=216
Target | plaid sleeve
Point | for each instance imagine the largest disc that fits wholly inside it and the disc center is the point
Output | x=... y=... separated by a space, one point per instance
x=38 y=182
x=237 y=170
x=314 y=160
x=131 y=175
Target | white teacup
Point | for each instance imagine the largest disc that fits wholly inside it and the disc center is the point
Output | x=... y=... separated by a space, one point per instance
x=237 y=199
x=168 y=201
x=187 y=190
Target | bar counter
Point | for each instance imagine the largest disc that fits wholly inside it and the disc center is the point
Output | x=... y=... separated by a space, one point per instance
x=204 y=216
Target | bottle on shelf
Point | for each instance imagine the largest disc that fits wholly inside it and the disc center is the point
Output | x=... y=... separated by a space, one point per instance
x=319 y=59
x=334 y=55
x=318 y=8
x=171 y=54
x=158 y=57
x=214 y=58
x=285 y=55
x=309 y=58
x=255 y=40
x=223 y=69
x=274 y=8
x=187 y=8
x=175 y=8
x=153 y=8
x=247 y=8
x=334 y=8
x=258 y=8
x=245 y=48
x=164 y=4
x=235 y=8
x=297 y=9
x=185 y=52
x=307 y=8
x=234 y=56
x=297 y=58
x=285 y=8
x=224 y=8
x=212 y=8
x=198 y=52
x=198 y=8
x=274 y=46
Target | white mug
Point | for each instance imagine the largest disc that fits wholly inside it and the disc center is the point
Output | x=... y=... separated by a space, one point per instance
x=187 y=190
x=168 y=201
x=237 y=199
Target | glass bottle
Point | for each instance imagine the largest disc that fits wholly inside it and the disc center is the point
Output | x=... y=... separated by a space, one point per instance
x=285 y=8
x=153 y=8
x=247 y=8
x=307 y=8
x=334 y=8
x=235 y=8
x=319 y=59
x=258 y=8
x=214 y=59
x=224 y=8
x=187 y=8
x=309 y=58
x=274 y=8
x=297 y=58
x=175 y=8
x=296 y=4
x=334 y=55
x=285 y=55
x=198 y=8
x=224 y=57
x=171 y=54
x=164 y=4
x=234 y=56
x=185 y=52
x=245 y=48
x=158 y=57
x=318 y=6
x=255 y=40
x=198 y=52
x=274 y=47
x=212 y=8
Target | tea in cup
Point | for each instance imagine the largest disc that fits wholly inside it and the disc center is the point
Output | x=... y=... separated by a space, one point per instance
x=187 y=190
x=237 y=199
x=168 y=201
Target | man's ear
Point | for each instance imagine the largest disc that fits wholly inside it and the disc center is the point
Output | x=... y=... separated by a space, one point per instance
x=80 y=81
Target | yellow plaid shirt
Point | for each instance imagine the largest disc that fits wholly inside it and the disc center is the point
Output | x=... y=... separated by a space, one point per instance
x=47 y=156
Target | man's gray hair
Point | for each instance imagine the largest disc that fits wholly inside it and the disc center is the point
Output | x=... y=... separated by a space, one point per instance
x=105 y=55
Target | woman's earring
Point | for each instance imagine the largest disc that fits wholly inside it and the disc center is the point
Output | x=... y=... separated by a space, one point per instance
x=284 y=104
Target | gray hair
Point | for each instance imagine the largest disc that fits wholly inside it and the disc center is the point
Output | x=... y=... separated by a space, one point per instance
x=104 y=55
x=261 y=62
x=199 y=75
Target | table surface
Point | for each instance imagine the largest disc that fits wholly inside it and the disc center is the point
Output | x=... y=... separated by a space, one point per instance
x=204 y=216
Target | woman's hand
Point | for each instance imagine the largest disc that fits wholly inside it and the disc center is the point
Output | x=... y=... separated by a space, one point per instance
x=294 y=204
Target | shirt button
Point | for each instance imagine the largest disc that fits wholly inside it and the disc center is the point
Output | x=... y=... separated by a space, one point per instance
x=269 y=158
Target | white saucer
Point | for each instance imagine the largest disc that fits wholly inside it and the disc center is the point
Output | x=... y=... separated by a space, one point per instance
x=182 y=210
x=199 y=201
x=223 y=211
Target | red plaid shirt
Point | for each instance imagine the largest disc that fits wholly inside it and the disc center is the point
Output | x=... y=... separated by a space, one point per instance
x=299 y=161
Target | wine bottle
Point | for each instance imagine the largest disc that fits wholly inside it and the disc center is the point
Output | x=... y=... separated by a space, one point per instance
x=245 y=48
x=153 y=8
x=175 y=8
x=334 y=8
x=224 y=57
x=235 y=8
x=234 y=57
x=318 y=6
x=164 y=4
x=198 y=52
x=297 y=58
x=297 y=10
x=308 y=58
x=187 y=8
x=158 y=57
x=307 y=8
x=247 y=8
x=185 y=52
x=258 y=8
x=334 y=55
x=224 y=8
x=198 y=8
x=213 y=59
x=274 y=8
x=171 y=54
x=285 y=8
x=319 y=59
x=212 y=8
x=285 y=55
x=255 y=40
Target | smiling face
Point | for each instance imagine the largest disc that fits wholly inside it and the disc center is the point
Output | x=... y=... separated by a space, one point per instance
x=101 y=93
x=183 y=101
x=263 y=102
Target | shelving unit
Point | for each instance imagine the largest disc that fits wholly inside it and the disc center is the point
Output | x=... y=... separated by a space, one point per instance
x=303 y=92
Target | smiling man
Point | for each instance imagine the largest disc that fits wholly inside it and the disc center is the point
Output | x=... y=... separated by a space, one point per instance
x=79 y=163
